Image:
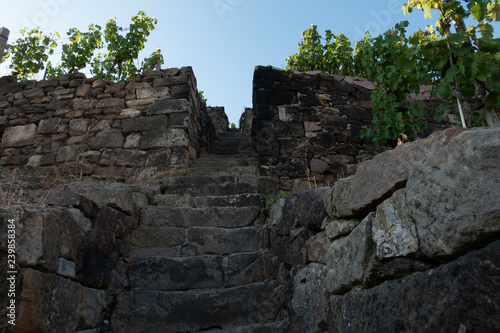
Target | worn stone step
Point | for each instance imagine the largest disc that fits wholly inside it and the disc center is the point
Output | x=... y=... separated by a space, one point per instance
x=273 y=327
x=201 y=180
x=223 y=161
x=211 y=189
x=185 y=217
x=231 y=144
x=167 y=274
x=222 y=171
x=200 y=272
x=238 y=200
x=236 y=150
x=195 y=241
x=196 y=310
x=215 y=240
x=185 y=200
x=250 y=267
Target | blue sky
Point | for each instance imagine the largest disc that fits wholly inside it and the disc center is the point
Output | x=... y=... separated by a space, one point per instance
x=223 y=40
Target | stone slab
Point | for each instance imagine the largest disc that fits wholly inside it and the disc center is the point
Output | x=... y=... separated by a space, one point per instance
x=462 y=296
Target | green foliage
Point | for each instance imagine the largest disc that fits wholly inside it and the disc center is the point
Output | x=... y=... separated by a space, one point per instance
x=30 y=53
x=269 y=200
x=466 y=61
x=164 y=188
x=336 y=56
x=77 y=54
x=233 y=126
x=123 y=50
x=398 y=71
x=203 y=99
x=462 y=66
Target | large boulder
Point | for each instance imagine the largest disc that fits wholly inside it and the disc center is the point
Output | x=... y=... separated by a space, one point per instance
x=307 y=210
x=394 y=231
x=310 y=299
x=349 y=259
x=337 y=199
x=461 y=296
x=116 y=195
x=454 y=194
x=377 y=179
x=48 y=303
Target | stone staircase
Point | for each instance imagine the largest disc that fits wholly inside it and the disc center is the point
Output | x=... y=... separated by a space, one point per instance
x=200 y=258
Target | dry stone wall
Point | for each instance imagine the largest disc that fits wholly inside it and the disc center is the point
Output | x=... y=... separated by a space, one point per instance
x=149 y=127
x=421 y=256
x=306 y=125
x=219 y=118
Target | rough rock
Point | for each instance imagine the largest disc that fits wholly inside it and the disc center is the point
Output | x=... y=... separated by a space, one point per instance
x=63 y=198
x=109 y=225
x=307 y=210
x=317 y=247
x=276 y=215
x=93 y=305
x=338 y=228
x=378 y=178
x=291 y=248
x=394 y=231
x=349 y=258
x=48 y=126
x=454 y=194
x=48 y=303
x=166 y=138
x=400 y=267
x=19 y=136
x=107 y=139
x=462 y=296
x=167 y=106
x=144 y=124
x=116 y=195
x=310 y=298
x=337 y=199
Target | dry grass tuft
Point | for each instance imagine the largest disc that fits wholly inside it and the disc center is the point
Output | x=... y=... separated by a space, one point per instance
x=15 y=187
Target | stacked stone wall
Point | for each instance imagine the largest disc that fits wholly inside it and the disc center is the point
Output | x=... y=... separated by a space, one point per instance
x=410 y=243
x=306 y=125
x=148 y=127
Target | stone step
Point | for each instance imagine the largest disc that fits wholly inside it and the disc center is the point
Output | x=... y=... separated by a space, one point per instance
x=232 y=134
x=174 y=241
x=185 y=217
x=232 y=143
x=215 y=240
x=201 y=272
x=211 y=189
x=231 y=150
x=223 y=171
x=196 y=310
x=185 y=200
x=212 y=160
x=239 y=200
x=202 y=180
x=273 y=327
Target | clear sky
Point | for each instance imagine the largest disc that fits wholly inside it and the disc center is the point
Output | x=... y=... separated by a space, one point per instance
x=223 y=40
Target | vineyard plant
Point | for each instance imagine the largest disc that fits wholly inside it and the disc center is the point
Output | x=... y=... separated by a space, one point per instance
x=461 y=62
x=111 y=53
